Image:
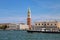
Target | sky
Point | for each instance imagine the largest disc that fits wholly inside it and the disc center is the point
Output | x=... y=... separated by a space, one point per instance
x=16 y=10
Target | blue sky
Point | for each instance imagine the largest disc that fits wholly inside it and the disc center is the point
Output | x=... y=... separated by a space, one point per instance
x=16 y=10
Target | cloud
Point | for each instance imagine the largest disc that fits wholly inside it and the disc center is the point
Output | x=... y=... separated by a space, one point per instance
x=45 y=17
x=23 y=19
x=12 y=19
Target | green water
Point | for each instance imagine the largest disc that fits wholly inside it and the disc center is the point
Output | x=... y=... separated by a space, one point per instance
x=23 y=35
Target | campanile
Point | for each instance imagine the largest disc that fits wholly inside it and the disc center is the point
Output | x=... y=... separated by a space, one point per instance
x=29 y=18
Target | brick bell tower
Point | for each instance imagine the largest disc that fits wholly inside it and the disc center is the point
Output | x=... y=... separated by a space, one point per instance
x=29 y=18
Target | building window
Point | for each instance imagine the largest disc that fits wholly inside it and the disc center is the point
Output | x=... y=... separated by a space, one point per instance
x=45 y=24
x=39 y=24
x=55 y=24
x=35 y=24
x=48 y=24
x=42 y=24
x=51 y=24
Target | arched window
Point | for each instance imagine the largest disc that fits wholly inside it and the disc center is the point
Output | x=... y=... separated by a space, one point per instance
x=42 y=24
x=35 y=24
x=51 y=24
x=39 y=23
x=55 y=24
x=47 y=23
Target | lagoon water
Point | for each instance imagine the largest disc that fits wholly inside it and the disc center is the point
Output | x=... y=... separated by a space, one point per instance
x=23 y=35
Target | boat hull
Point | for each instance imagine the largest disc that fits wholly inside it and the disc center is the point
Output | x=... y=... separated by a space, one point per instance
x=30 y=31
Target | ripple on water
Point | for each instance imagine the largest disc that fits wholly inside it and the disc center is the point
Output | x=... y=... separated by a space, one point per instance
x=23 y=35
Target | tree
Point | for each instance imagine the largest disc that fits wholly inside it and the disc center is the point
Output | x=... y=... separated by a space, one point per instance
x=3 y=27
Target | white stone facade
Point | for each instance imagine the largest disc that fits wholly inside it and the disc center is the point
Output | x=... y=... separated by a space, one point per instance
x=23 y=27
